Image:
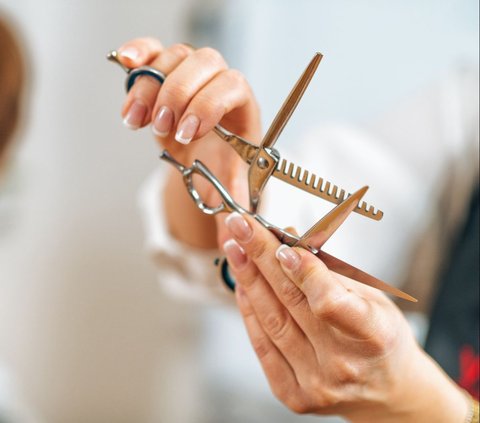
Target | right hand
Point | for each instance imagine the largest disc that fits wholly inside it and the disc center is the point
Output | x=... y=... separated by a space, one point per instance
x=199 y=92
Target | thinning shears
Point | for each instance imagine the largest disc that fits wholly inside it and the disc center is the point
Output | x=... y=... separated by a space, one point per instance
x=265 y=162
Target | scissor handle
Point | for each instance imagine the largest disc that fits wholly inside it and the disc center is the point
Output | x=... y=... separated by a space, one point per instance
x=133 y=74
x=228 y=204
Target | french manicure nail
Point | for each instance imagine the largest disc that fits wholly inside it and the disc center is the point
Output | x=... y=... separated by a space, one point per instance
x=187 y=129
x=135 y=115
x=287 y=256
x=130 y=53
x=239 y=227
x=162 y=124
x=235 y=254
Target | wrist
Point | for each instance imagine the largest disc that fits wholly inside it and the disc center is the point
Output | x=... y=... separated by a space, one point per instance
x=419 y=392
x=184 y=220
x=473 y=415
x=429 y=395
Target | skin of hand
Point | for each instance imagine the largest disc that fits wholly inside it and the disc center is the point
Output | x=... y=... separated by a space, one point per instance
x=199 y=92
x=328 y=344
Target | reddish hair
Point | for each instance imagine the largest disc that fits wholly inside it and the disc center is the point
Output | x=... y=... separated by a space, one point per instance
x=11 y=83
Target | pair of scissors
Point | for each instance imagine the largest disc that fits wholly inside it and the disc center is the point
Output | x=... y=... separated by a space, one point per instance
x=313 y=240
x=264 y=160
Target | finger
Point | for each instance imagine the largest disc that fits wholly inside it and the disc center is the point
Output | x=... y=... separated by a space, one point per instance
x=234 y=182
x=139 y=51
x=260 y=246
x=227 y=91
x=182 y=85
x=273 y=317
x=139 y=105
x=329 y=300
x=279 y=373
x=291 y=230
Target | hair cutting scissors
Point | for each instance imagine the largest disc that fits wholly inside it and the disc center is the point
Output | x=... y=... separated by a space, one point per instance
x=264 y=162
x=313 y=240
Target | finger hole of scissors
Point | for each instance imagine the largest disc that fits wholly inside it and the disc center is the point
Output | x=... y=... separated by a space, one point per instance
x=150 y=72
x=201 y=204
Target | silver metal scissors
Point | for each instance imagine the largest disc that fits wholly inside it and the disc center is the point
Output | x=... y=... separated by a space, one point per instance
x=313 y=240
x=264 y=160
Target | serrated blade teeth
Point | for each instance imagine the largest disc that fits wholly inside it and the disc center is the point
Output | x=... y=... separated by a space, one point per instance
x=293 y=175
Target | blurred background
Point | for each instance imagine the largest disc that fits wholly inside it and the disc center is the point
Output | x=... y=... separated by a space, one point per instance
x=86 y=335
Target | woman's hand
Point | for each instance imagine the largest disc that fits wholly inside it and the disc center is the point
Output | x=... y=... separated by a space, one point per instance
x=328 y=344
x=199 y=92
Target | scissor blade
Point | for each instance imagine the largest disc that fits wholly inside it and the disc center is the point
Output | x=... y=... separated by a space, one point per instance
x=263 y=165
x=290 y=103
x=309 y=182
x=352 y=272
x=321 y=232
x=245 y=149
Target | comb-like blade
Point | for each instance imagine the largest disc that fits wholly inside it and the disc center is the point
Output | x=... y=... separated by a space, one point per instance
x=352 y=272
x=309 y=182
x=321 y=232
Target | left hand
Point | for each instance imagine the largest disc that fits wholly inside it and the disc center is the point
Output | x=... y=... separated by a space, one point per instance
x=328 y=344
x=199 y=92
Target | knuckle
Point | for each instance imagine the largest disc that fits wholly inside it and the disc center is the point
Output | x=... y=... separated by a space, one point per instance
x=380 y=343
x=236 y=76
x=376 y=335
x=209 y=106
x=261 y=346
x=324 y=397
x=297 y=404
x=327 y=398
x=290 y=294
x=329 y=306
x=258 y=250
x=175 y=91
x=276 y=325
x=180 y=50
x=327 y=309
x=212 y=56
x=248 y=278
x=308 y=273
x=346 y=373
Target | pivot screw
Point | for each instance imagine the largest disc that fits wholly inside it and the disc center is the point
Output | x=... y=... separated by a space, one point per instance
x=262 y=163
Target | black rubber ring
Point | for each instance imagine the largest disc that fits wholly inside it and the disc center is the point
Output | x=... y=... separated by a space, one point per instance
x=143 y=70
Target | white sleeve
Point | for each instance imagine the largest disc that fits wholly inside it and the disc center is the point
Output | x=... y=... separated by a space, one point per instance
x=184 y=272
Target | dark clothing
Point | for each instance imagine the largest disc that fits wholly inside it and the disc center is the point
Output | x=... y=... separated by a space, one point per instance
x=453 y=338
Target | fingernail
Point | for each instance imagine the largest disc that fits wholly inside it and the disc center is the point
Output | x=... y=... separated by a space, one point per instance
x=287 y=256
x=239 y=227
x=235 y=255
x=130 y=53
x=135 y=115
x=187 y=129
x=163 y=122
